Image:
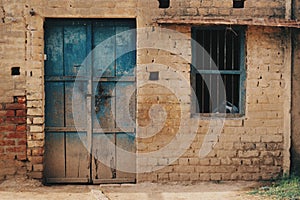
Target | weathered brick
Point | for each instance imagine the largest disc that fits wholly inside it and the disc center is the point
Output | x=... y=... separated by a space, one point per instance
x=16 y=149
x=271 y=138
x=20 y=113
x=216 y=177
x=15 y=106
x=2 y=113
x=41 y=136
x=38 y=167
x=36 y=129
x=9 y=127
x=21 y=128
x=35 y=144
x=35 y=159
x=16 y=135
x=38 y=120
x=10 y=113
x=16 y=120
x=7 y=142
x=37 y=151
x=36 y=175
x=22 y=156
x=247 y=154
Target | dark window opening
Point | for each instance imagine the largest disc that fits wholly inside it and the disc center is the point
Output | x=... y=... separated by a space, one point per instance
x=15 y=71
x=217 y=73
x=238 y=3
x=164 y=3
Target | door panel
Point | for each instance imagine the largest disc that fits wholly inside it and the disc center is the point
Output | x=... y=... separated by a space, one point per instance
x=104 y=106
x=75 y=44
x=125 y=42
x=55 y=104
x=125 y=105
x=68 y=43
x=54 y=50
x=77 y=157
x=104 y=55
x=125 y=143
x=54 y=155
x=104 y=155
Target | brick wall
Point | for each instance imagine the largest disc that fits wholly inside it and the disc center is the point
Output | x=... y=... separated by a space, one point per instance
x=251 y=147
x=211 y=8
x=12 y=89
x=13 y=137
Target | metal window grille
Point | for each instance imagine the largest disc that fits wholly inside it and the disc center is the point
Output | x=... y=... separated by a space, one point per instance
x=218 y=79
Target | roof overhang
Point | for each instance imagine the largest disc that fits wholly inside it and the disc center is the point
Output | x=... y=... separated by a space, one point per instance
x=230 y=21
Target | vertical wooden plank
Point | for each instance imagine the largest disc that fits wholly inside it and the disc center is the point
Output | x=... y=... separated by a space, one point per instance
x=54 y=50
x=89 y=125
x=54 y=104
x=75 y=49
x=104 y=156
x=125 y=104
x=79 y=99
x=104 y=55
x=125 y=43
x=54 y=155
x=77 y=156
x=104 y=105
x=125 y=160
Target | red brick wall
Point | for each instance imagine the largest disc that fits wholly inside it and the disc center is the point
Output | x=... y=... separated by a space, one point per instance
x=13 y=137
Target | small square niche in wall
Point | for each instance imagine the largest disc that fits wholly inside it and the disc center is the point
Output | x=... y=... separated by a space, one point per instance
x=238 y=3
x=15 y=71
x=154 y=76
x=164 y=3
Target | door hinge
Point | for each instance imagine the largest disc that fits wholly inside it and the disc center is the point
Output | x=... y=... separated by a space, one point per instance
x=45 y=56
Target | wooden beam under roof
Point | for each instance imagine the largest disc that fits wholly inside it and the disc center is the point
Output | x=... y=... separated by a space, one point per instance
x=230 y=21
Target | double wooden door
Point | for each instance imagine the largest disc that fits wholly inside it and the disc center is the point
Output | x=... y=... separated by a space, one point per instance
x=90 y=101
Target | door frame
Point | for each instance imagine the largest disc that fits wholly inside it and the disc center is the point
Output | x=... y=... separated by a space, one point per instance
x=89 y=101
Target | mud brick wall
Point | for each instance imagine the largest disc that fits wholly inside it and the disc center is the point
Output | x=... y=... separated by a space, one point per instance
x=251 y=147
x=212 y=8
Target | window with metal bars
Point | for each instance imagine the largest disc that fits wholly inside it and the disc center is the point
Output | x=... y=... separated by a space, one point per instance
x=218 y=69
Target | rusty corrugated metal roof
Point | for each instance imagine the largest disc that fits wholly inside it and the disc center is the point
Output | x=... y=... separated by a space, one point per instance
x=230 y=21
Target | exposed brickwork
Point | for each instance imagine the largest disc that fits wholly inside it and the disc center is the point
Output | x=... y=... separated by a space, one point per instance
x=205 y=8
x=250 y=147
x=13 y=137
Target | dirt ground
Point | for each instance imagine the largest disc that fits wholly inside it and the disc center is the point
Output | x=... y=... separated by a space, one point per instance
x=21 y=188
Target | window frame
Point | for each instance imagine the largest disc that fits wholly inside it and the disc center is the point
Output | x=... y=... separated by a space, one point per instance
x=241 y=72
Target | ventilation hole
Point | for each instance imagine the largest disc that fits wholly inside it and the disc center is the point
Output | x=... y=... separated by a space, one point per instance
x=154 y=76
x=238 y=3
x=164 y=3
x=15 y=99
x=15 y=71
x=30 y=73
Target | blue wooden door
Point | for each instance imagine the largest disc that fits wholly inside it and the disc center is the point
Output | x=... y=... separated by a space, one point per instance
x=106 y=98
